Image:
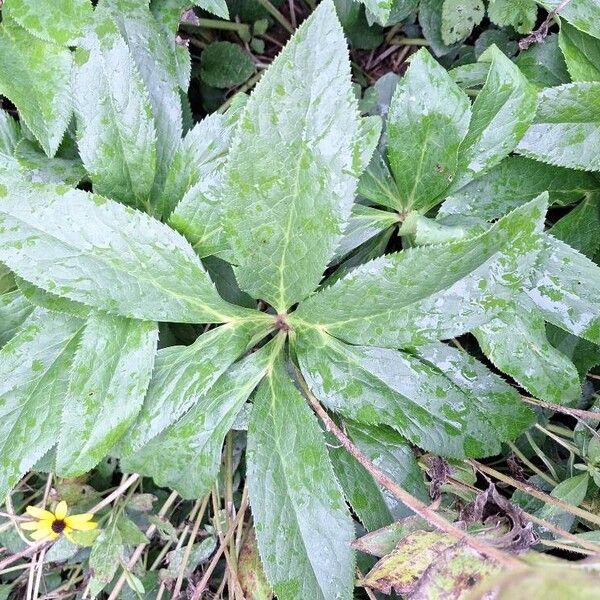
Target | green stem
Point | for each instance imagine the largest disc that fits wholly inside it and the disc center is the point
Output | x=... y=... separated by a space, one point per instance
x=409 y=42
x=241 y=28
x=266 y=4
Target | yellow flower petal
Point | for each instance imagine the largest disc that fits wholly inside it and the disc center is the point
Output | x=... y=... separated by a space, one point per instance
x=43 y=534
x=39 y=513
x=31 y=525
x=83 y=526
x=60 y=512
x=76 y=519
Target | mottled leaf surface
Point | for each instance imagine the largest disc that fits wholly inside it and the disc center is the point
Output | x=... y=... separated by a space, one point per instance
x=395 y=457
x=14 y=311
x=581 y=52
x=513 y=182
x=200 y=155
x=43 y=299
x=583 y=14
x=156 y=61
x=360 y=489
x=187 y=455
x=34 y=368
x=516 y=343
x=428 y=119
x=567 y=290
x=566 y=128
x=184 y=374
x=465 y=413
x=365 y=223
x=36 y=77
x=59 y=21
x=502 y=112
x=302 y=121
x=519 y=14
x=106 y=255
x=115 y=126
x=459 y=17
x=108 y=380
x=464 y=284
x=302 y=524
x=380 y=9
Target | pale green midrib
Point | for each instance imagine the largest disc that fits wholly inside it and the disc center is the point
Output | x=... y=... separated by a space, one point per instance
x=411 y=196
x=186 y=299
x=125 y=162
x=408 y=305
x=297 y=512
x=87 y=445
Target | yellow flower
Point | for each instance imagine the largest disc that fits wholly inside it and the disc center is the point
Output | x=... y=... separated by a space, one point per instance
x=49 y=525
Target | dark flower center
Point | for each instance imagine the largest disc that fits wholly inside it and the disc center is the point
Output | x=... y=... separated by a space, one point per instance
x=58 y=526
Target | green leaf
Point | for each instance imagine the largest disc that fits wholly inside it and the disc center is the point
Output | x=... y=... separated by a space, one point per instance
x=516 y=343
x=59 y=21
x=200 y=156
x=513 y=182
x=566 y=129
x=438 y=398
x=446 y=229
x=518 y=14
x=14 y=311
x=428 y=119
x=105 y=558
x=459 y=17
x=302 y=524
x=581 y=52
x=195 y=182
x=430 y=19
x=37 y=167
x=567 y=289
x=285 y=214
x=109 y=377
x=395 y=457
x=543 y=64
x=431 y=292
x=579 y=227
x=582 y=353
x=380 y=9
x=106 y=255
x=572 y=491
x=130 y=532
x=39 y=297
x=34 y=375
x=200 y=553
x=225 y=65
x=10 y=133
x=187 y=455
x=583 y=14
x=361 y=491
x=156 y=61
x=377 y=184
x=365 y=223
x=217 y=7
x=42 y=89
x=502 y=112
x=115 y=127
x=184 y=374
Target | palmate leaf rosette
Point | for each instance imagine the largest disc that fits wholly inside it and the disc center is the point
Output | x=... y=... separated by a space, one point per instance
x=83 y=372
